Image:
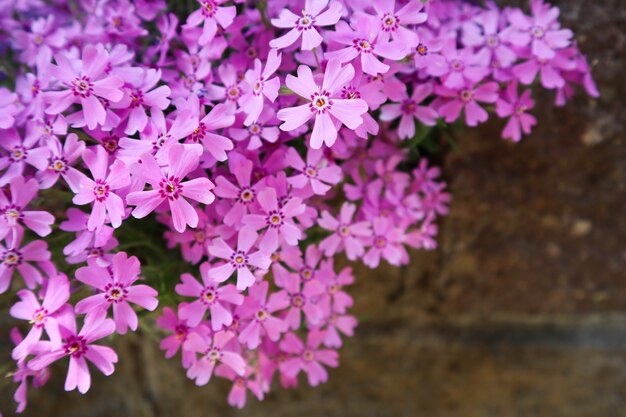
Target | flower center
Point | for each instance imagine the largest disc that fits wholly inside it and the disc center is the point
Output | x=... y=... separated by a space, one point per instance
x=136 y=99
x=389 y=22
x=17 y=154
x=198 y=134
x=82 y=86
x=275 y=219
x=208 y=296
x=422 y=49
x=101 y=190
x=297 y=300
x=110 y=143
x=11 y=258
x=493 y=41
x=214 y=355
x=457 y=65
x=58 y=165
x=363 y=45
x=209 y=8
x=310 y=171
x=350 y=93
x=380 y=241
x=12 y=214
x=38 y=40
x=343 y=230
x=537 y=32
x=170 y=188
x=239 y=259
x=75 y=346
x=408 y=106
x=305 y=22
x=233 y=92
x=261 y=314
x=255 y=129
x=308 y=355
x=306 y=273
x=258 y=87
x=115 y=293
x=466 y=95
x=320 y=102
x=39 y=316
x=246 y=196
x=181 y=332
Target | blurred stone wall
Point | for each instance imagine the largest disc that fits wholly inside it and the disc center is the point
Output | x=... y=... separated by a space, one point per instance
x=520 y=312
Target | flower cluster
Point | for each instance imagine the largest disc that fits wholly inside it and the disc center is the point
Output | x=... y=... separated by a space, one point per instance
x=268 y=139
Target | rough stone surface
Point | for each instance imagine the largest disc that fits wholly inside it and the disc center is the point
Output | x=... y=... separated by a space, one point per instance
x=520 y=312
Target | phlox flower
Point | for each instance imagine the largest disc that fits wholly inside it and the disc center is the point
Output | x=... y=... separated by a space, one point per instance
x=260 y=84
x=85 y=82
x=393 y=22
x=210 y=15
x=172 y=343
x=168 y=185
x=210 y=296
x=300 y=297
x=116 y=289
x=80 y=348
x=19 y=154
x=14 y=256
x=258 y=309
x=317 y=172
x=106 y=179
x=142 y=94
x=214 y=348
x=43 y=316
x=467 y=99
x=304 y=25
x=308 y=357
x=239 y=260
x=22 y=373
x=462 y=66
x=14 y=210
x=516 y=108
x=386 y=243
x=263 y=128
x=339 y=324
x=8 y=108
x=410 y=109
x=237 y=394
x=219 y=117
x=60 y=160
x=323 y=103
x=347 y=236
x=277 y=220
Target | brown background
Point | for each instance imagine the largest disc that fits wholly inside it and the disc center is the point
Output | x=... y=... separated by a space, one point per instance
x=520 y=312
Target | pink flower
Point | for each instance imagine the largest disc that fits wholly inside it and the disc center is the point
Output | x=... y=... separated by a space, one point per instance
x=239 y=260
x=19 y=154
x=462 y=67
x=100 y=189
x=259 y=310
x=210 y=296
x=260 y=85
x=14 y=257
x=392 y=22
x=264 y=128
x=308 y=358
x=13 y=211
x=514 y=107
x=277 y=218
x=362 y=42
x=338 y=324
x=409 y=109
x=237 y=394
x=42 y=316
x=8 y=108
x=142 y=94
x=219 y=117
x=86 y=82
x=210 y=14
x=317 y=172
x=386 y=243
x=245 y=194
x=322 y=103
x=467 y=99
x=168 y=185
x=60 y=161
x=79 y=347
x=117 y=290
x=312 y=17
x=300 y=296
x=347 y=235
x=214 y=349
x=170 y=321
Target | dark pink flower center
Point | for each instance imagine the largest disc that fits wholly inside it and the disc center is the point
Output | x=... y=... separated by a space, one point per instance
x=209 y=8
x=17 y=153
x=239 y=259
x=257 y=89
x=320 y=102
x=181 y=332
x=12 y=214
x=136 y=99
x=198 y=134
x=115 y=293
x=160 y=140
x=350 y=93
x=389 y=22
x=457 y=65
x=208 y=296
x=298 y=300
x=39 y=317
x=275 y=219
x=343 y=230
x=58 y=165
x=466 y=95
x=493 y=41
x=422 y=49
x=101 y=190
x=82 y=86
x=246 y=196
x=255 y=129
x=305 y=22
x=170 y=188
x=363 y=45
x=380 y=241
x=261 y=314
x=310 y=171
x=308 y=355
x=11 y=258
x=75 y=346
x=307 y=273
x=537 y=32
x=35 y=88
x=408 y=106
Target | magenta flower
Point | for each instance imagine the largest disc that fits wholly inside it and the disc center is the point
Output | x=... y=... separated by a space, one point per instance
x=260 y=85
x=259 y=310
x=117 y=290
x=462 y=67
x=264 y=128
x=22 y=373
x=172 y=343
x=277 y=218
x=237 y=394
x=323 y=103
x=514 y=107
x=12 y=212
x=142 y=95
x=541 y=30
x=386 y=243
x=62 y=157
x=308 y=358
x=347 y=235
x=239 y=260
x=8 y=108
x=210 y=296
x=339 y=324
x=210 y=15
x=244 y=194
x=80 y=348
x=219 y=117
x=316 y=172
x=19 y=154
x=214 y=349
x=168 y=185
x=43 y=316
x=410 y=109
x=487 y=35
x=86 y=82
x=14 y=257
x=467 y=99
x=301 y=297
x=362 y=42
x=311 y=17
x=393 y=22
x=100 y=189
